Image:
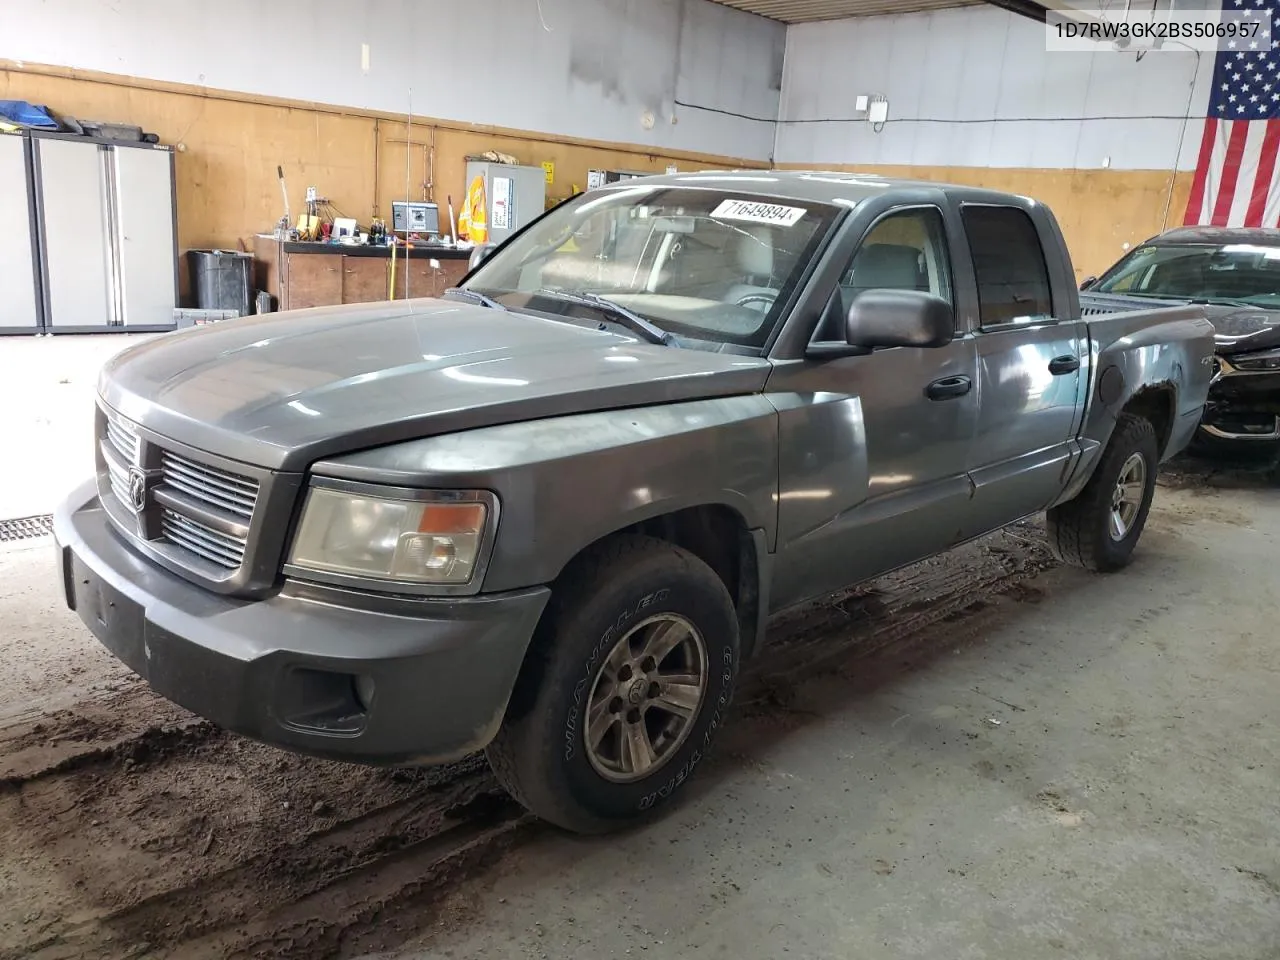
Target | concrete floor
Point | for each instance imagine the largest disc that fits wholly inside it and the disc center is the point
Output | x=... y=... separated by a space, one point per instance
x=1085 y=767
x=1093 y=775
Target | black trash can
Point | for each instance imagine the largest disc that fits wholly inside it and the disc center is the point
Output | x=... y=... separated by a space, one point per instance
x=222 y=280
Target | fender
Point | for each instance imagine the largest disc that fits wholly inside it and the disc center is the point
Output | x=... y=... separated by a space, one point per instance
x=1163 y=367
x=567 y=482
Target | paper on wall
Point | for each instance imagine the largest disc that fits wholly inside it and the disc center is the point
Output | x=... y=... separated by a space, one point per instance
x=501 y=203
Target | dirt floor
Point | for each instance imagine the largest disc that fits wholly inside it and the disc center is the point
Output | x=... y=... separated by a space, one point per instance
x=980 y=756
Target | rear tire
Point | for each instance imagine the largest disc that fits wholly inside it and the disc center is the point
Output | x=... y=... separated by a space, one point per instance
x=1100 y=527
x=607 y=723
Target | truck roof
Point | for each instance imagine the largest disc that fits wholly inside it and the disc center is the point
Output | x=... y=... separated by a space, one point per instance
x=822 y=186
x=1260 y=236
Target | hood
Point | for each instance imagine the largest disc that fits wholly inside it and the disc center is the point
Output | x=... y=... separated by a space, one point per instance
x=1243 y=329
x=282 y=390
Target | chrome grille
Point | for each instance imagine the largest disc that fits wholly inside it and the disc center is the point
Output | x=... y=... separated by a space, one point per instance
x=204 y=541
x=124 y=438
x=119 y=477
x=217 y=488
x=194 y=513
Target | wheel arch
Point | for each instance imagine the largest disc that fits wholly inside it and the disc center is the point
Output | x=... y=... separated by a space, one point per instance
x=716 y=533
x=719 y=534
x=1158 y=403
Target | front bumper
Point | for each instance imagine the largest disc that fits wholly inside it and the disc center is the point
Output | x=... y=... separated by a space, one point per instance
x=345 y=676
x=1242 y=405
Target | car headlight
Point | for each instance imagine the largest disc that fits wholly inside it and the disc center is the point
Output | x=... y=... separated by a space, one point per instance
x=1268 y=362
x=410 y=537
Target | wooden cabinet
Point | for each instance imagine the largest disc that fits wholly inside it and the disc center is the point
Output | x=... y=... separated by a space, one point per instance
x=427 y=277
x=364 y=279
x=451 y=271
x=314 y=281
x=303 y=275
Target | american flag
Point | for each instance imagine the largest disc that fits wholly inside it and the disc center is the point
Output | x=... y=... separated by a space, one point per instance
x=1236 y=183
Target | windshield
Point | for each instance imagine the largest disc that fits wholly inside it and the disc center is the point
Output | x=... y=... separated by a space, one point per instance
x=1233 y=273
x=703 y=264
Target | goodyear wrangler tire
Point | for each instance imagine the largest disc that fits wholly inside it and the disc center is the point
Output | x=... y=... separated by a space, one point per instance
x=627 y=684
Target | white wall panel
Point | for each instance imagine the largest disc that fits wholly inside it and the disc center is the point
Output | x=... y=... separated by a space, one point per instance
x=1021 y=106
x=584 y=68
x=591 y=68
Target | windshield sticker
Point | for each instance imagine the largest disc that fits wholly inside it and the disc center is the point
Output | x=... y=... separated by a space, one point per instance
x=759 y=212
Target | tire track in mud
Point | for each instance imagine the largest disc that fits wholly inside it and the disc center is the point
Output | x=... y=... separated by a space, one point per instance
x=172 y=873
x=332 y=920
x=310 y=889
x=151 y=742
x=159 y=834
x=866 y=619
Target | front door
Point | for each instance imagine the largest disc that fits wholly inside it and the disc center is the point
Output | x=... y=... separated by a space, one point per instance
x=1032 y=366
x=873 y=448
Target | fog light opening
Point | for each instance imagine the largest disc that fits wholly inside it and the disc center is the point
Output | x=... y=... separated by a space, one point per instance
x=364 y=690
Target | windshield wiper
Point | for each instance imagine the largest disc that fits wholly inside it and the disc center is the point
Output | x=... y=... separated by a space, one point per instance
x=1224 y=302
x=620 y=314
x=1199 y=301
x=475 y=297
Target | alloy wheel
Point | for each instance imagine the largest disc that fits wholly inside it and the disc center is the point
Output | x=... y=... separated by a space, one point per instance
x=645 y=698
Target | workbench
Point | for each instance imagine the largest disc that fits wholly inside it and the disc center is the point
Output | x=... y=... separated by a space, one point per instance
x=302 y=274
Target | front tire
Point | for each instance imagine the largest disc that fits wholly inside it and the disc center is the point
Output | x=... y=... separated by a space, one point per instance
x=1100 y=527
x=628 y=682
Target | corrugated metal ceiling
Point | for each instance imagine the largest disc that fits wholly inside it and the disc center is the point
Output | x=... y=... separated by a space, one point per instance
x=804 y=11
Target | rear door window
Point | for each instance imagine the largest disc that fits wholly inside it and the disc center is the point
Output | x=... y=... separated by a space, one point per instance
x=1010 y=266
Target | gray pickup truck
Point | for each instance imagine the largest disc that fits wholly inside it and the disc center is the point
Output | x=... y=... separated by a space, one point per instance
x=548 y=514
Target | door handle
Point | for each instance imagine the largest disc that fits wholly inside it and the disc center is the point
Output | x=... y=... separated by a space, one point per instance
x=948 y=387
x=1061 y=365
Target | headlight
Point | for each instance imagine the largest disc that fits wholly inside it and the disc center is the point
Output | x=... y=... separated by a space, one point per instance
x=1268 y=362
x=421 y=538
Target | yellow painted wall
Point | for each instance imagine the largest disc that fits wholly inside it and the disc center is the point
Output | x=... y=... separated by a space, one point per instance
x=230 y=145
x=1099 y=210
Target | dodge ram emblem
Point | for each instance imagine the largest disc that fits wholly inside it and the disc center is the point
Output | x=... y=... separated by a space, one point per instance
x=137 y=490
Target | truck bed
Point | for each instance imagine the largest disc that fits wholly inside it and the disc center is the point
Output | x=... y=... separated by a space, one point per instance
x=1094 y=304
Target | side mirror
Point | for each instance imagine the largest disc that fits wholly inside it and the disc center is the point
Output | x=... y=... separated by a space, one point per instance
x=899 y=318
x=1088 y=282
x=480 y=254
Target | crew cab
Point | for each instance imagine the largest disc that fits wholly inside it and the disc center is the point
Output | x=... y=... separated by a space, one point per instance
x=549 y=513
x=1234 y=272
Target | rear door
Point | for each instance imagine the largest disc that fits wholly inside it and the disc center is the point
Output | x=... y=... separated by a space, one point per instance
x=1032 y=366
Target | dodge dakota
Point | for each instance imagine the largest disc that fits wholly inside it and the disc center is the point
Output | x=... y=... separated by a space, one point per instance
x=549 y=513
